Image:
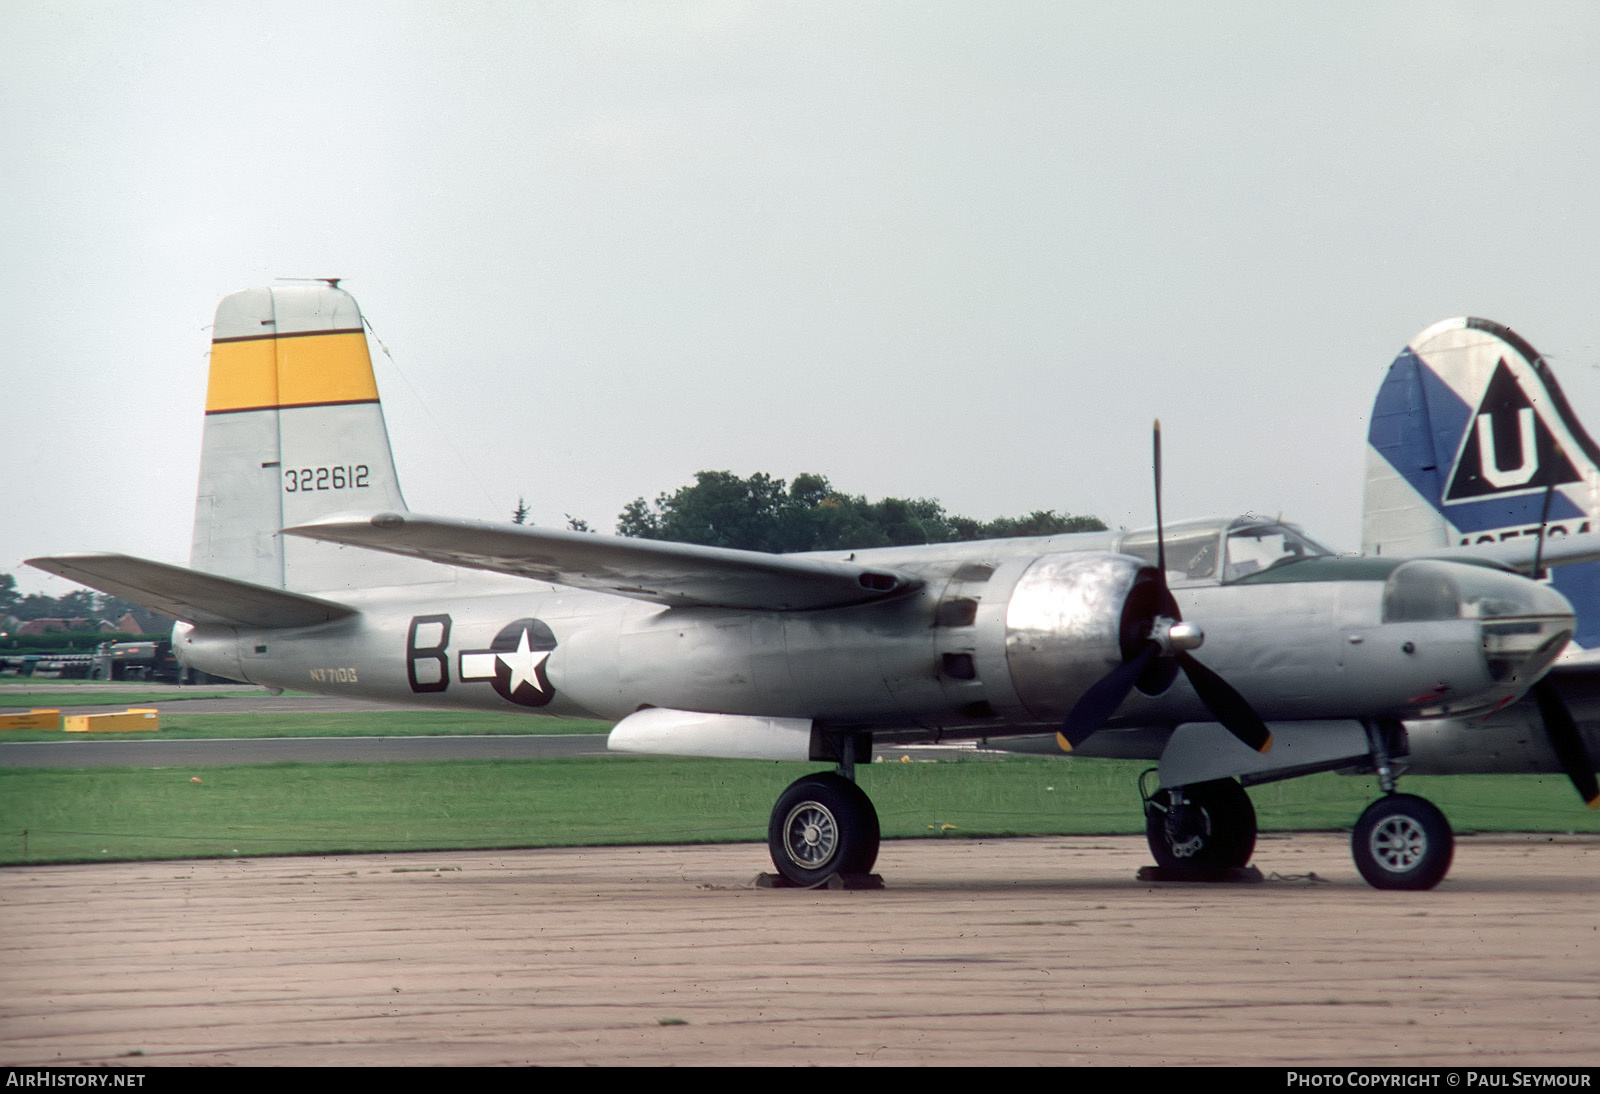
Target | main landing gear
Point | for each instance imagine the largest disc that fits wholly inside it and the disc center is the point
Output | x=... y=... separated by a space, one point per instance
x=824 y=824
x=1199 y=832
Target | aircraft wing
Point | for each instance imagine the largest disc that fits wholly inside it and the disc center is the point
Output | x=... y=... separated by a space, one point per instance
x=190 y=595
x=1518 y=551
x=677 y=574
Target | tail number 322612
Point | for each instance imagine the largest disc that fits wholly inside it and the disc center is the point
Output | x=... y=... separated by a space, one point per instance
x=303 y=480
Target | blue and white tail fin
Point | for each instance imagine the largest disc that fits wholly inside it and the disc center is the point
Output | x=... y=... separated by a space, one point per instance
x=1472 y=441
x=294 y=431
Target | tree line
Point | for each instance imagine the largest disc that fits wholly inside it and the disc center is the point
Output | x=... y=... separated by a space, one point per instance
x=762 y=513
x=77 y=604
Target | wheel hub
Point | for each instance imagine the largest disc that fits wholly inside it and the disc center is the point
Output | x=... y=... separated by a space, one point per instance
x=1399 y=843
x=1188 y=828
x=812 y=834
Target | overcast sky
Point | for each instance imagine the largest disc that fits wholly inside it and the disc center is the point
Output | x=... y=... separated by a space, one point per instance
x=957 y=250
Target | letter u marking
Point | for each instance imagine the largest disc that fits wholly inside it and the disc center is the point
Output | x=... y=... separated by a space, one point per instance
x=1503 y=477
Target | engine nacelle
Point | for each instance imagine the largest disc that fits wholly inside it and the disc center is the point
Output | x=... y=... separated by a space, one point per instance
x=1070 y=619
x=1514 y=739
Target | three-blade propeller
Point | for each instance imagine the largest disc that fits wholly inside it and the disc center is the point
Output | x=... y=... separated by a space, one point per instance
x=1168 y=637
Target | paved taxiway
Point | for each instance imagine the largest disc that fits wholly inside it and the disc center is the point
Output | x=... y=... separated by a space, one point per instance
x=277 y=750
x=1041 y=951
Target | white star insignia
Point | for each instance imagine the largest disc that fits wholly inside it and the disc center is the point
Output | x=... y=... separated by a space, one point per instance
x=524 y=664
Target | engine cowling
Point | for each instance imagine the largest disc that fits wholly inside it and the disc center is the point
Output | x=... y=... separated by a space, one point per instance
x=1072 y=617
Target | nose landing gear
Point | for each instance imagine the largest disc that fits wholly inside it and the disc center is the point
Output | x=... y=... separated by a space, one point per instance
x=1402 y=842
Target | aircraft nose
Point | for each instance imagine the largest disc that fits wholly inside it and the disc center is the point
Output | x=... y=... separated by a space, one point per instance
x=1524 y=624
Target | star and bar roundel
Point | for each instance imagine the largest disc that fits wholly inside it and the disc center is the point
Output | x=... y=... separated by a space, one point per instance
x=514 y=663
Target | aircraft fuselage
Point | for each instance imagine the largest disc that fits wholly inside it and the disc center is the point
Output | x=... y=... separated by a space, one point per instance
x=986 y=645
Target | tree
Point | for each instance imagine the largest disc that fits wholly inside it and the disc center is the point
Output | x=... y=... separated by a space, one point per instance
x=719 y=510
x=908 y=521
x=38 y=606
x=1040 y=522
x=77 y=604
x=519 y=515
x=637 y=521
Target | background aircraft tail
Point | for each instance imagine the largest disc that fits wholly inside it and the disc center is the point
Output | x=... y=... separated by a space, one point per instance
x=1472 y=441
x=293 y=432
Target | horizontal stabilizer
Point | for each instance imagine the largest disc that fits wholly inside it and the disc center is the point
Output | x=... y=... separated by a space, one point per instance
x=190 y=595
x=675 y=574
x=1518 y=552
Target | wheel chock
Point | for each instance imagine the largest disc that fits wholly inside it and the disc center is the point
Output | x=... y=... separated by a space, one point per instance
x=832 y=881
x=1233 y=875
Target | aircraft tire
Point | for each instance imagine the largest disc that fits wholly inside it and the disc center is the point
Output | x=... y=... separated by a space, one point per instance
x=823 y=824
x=1402 y=842
x=1218 y=833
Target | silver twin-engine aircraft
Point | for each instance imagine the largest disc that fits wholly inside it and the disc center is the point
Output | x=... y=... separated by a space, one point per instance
x=1231 y=651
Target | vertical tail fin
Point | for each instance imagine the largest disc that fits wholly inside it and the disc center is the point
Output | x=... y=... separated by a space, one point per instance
x=1471 y=441
x=294 y=431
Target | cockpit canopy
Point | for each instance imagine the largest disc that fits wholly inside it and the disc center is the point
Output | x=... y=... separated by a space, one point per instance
x=1221 y=550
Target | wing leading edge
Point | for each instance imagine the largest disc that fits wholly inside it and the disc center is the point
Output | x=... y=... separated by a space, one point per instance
x=675 y=574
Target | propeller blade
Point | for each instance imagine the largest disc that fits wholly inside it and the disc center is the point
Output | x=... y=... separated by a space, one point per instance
x=1161 y=545
x=1095 y=706
x=1567 y=741
x=1226 y=704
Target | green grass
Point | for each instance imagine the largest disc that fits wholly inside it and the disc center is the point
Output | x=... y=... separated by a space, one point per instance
x=135 y=813
x=377 y=723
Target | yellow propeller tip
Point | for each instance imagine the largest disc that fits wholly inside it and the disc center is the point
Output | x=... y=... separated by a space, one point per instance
x=1062 y=743
x=1266 y=746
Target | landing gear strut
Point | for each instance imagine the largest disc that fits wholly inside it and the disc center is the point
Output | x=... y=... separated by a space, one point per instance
x=1401 y=841
x=1203 y=829
x=822 y=825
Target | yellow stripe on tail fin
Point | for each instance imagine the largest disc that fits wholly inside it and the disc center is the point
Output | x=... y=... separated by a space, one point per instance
x=262 y=372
